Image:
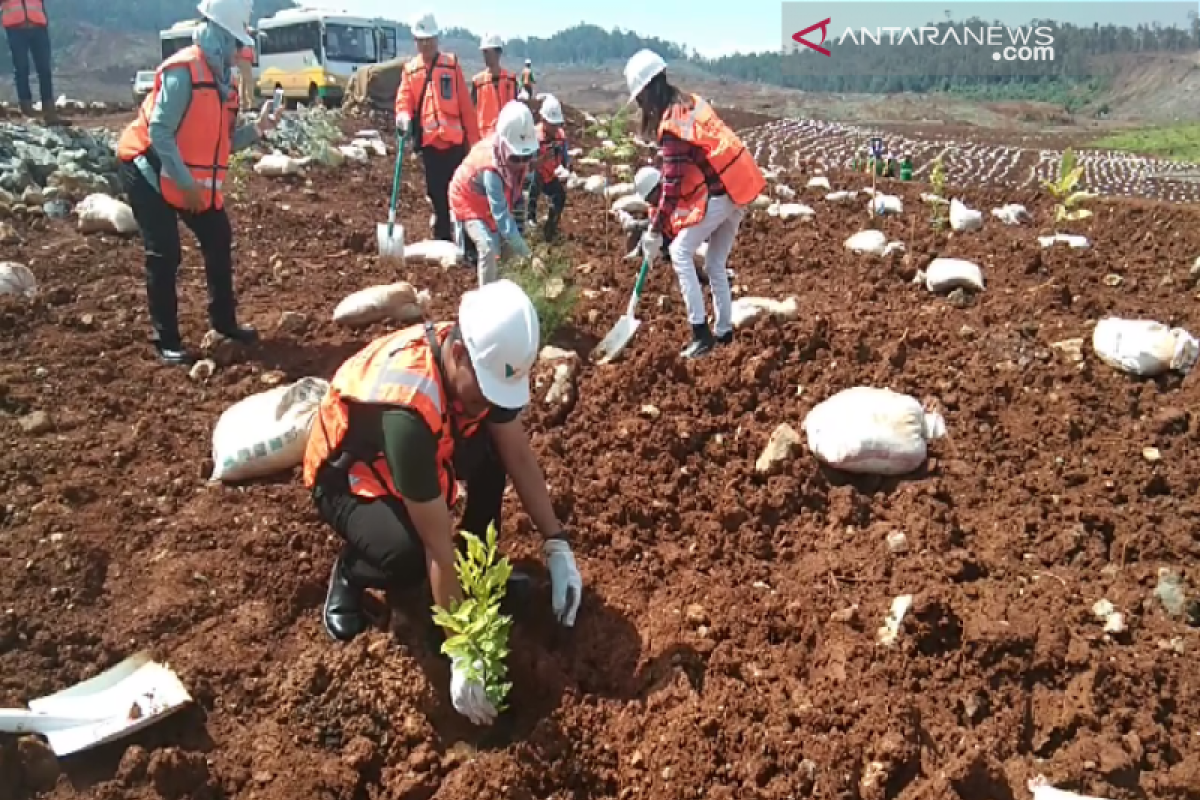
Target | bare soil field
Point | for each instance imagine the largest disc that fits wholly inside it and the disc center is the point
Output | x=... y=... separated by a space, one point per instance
x=726 y=645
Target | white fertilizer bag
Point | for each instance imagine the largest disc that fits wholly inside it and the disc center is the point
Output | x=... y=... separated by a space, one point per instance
x=964 y=219
x=870 y=242
x=99 y=213
x=434 y=251
x=1144 y=347
x=948 y=274
x=395 y=301
x=872 y=431
x=276 y=165
x=266 y=432
x=619 y=190
x=595 y=184
x=631 y=204
x=17 y=279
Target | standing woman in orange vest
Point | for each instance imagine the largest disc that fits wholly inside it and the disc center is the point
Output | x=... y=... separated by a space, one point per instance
x=404 y=420
x=494 y=87
x=174 y=157
x=433 y=107
x=708 y=180
x=28 y=32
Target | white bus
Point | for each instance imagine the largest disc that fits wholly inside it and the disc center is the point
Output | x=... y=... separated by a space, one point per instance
x=312 y=53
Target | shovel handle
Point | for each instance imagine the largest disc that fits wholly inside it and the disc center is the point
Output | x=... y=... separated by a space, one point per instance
x=637 y=287
x=396 y=183
x=20 y=720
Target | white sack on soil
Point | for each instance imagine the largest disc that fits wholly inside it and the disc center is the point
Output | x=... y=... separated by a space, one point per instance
x=275 y=165
x=631 y=204
x=266 y=432
x=963 y=218
x=1042 y=790
x=886 y=204
x=99 y=213
x=434 y=251
x=619 y=190
x=595 y=184
x=399 y=302
x=17 y=280
x=871 y=242
x=948 y=274
x=872 y=431
x=789 y=210
x=1144 y=347
x=746 y=309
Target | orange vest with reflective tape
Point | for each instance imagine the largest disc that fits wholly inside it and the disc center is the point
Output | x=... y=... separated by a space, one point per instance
x=551 y=151
x=15 y=13
x=492 y=92
x=725 y=153
x=398 y=370
x=205 y=134
x=440 y=116
x=468 y=198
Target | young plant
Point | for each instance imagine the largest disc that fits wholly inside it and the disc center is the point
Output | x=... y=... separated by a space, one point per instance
x=478 y=631
x=239 y=165
x=1063 y=190
x=553 y=296
x=937 y=179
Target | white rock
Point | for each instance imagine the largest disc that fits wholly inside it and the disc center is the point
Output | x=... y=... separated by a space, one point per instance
x=780 y=447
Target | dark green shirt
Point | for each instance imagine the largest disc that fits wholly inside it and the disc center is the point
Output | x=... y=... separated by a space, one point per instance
x=408 y=445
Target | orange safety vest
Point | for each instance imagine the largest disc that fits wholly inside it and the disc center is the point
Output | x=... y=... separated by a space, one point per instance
x=468 y=198
x=725 y=153
x=527 y=77
x=441 y=114
x=246 y=54
x=398 y=370
x=205 y=134
x=492 y=92
x=551 y=149
x=16 y=13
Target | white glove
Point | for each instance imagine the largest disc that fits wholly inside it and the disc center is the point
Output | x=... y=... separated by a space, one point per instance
x=652 y=245
x=468 y=696
x=566 y=584
x=402 y=122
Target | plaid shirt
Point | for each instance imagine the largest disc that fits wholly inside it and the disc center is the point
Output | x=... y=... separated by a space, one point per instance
x=677 y=154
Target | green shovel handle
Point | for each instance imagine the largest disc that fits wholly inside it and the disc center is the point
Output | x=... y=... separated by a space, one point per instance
x=637 y=287
x=396 y=183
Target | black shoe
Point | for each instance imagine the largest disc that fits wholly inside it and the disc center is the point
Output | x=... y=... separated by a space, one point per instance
x=174 y=355
x=343 y=613
x=239 y=334
x=702 y=342
x=725 y=338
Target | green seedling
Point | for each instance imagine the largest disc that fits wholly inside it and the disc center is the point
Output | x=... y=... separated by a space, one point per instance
x=937 y=179
x=1063 y=190
x=478 y=632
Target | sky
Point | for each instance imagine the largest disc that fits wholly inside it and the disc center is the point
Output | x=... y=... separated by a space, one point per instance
x=716 y=27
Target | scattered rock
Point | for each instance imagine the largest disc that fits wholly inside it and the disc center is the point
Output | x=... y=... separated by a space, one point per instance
x=36 y=422
x=292 y=322
x=202 y=370
x=780 y=447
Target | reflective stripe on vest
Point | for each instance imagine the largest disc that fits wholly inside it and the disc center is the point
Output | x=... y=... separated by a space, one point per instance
x=15 y=13
x=492 y=93
x=204 y=136
x=468 y=197
x=398 y=370
x=550 y=152
x=725 y=153
x=440 y=116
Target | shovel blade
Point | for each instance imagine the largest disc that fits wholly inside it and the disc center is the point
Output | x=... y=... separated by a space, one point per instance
x=390 y=246
x=116 y=703
x=616 y=340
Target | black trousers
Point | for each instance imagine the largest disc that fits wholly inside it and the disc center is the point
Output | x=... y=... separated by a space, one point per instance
x=31 y=43
x=159 y=223
x=553 y=190
x=382 y=547
x=439 y=171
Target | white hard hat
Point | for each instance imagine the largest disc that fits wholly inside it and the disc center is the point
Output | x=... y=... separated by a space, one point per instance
x=515 y=128
x=552 y=110
x=528 y=63
x=641 y=68
x=231 y=15
x=424 y=27
x=491 y=41
x=500 y=329
x=645 y=181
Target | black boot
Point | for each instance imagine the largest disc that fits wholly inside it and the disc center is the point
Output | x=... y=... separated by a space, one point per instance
x=550 y=229
x=343 y=613
x=702 y=342
x=174 y=355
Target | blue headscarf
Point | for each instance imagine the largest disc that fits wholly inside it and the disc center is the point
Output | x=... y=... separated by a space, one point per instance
x=220 y=50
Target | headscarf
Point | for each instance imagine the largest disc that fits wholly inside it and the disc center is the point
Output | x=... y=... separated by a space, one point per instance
x=511 y=172
x=220 y=50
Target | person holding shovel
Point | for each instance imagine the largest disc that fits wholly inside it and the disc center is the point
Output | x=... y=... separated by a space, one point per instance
x=648 y=184
x=173 y=160
x=404 y=420
x=494 y=87
x=708 y=180
x=552 y=154
x=488 y=186
x=434 y=112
